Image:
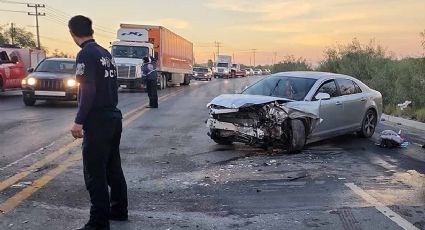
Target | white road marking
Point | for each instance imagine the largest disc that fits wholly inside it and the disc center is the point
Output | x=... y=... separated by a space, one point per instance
x=26 y=156
x=382 y=208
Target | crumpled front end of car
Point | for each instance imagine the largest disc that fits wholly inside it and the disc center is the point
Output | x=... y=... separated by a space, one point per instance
x=258 y=122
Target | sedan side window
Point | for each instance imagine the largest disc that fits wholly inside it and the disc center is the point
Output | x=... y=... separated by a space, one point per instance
x=329 y=88
x=346 y=86
x=358 y=90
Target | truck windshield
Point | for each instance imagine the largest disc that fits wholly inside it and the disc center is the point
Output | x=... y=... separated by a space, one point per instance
x=223 y=65
x=138 y=52
x=56 y=66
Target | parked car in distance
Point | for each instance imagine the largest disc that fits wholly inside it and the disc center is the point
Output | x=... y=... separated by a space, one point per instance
x=202 y=73
x=258 y=72
x=265 y=72
x=249 y=72
x=287 y=109
x=52 y=79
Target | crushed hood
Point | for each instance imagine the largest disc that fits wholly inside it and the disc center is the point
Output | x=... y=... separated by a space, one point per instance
x=235 y=101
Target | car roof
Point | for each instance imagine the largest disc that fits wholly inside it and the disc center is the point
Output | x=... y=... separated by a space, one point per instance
x=61 y=59
x=311 y=74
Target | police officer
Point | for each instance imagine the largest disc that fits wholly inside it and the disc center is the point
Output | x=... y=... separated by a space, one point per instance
x=151 y=78
x=99 y=122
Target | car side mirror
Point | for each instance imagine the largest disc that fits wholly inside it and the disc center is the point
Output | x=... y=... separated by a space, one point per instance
x=322 y=96
x=30 y=70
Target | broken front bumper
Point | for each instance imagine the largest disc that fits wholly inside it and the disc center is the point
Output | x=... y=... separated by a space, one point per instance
x=219 y=125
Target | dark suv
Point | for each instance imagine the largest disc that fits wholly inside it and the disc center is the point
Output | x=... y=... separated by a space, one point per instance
x=202 y=73
x=52 y=79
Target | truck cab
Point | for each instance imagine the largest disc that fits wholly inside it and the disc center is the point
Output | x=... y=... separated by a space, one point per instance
x=223 y=67
x=128 y=58
x=236 y=71
x=12 y=71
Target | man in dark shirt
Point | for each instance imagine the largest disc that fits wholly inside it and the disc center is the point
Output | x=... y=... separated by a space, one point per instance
x=150 y=76
x=99 y=122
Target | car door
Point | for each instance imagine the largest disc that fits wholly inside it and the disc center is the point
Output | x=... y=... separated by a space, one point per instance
x=331 y=111
x=354 y=104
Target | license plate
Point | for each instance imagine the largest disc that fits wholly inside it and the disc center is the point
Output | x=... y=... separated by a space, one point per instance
x=123 y=86
x=49 y=93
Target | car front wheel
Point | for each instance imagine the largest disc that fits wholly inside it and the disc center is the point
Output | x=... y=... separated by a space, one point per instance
x=369 y=123
x=298 y=136
x=29 y=101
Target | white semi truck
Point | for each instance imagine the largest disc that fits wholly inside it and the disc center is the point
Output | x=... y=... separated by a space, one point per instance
x=223 y=66
x=173 y=54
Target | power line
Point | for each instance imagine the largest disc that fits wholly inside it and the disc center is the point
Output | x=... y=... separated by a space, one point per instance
x=15 y=11
x=13 y=2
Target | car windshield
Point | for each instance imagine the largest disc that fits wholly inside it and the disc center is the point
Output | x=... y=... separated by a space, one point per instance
x=222 y=65
x=294 y=88
x=138 y=52
x=56 y=66
x=234 y=65
x=202 y=70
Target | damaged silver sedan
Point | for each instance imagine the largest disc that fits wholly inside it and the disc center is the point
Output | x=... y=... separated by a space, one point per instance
x=289 y=109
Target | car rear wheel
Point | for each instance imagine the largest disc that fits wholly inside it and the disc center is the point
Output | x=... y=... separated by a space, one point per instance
x=29 y=101
x=298 y=136
x=369 y=123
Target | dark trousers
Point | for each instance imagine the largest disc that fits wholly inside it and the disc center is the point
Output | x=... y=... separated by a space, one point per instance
x=102 y=167
x=151 y=87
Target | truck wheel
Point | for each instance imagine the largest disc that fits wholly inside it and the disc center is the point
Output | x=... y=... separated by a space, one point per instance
x=29 y=101
x=298 y=136
x=186 y=80
x=164 y=78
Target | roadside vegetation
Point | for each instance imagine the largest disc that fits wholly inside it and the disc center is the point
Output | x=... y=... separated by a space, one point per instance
x=398 y=80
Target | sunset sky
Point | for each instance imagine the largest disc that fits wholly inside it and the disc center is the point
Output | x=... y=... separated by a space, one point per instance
x=287 y=27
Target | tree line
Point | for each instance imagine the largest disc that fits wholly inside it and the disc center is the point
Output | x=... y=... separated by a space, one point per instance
x=398 y=80
x=20 y=37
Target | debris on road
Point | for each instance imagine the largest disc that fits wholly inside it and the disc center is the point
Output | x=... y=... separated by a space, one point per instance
x=21 y=184
x=391 y=139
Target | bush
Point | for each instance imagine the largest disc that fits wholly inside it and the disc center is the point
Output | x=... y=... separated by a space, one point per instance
x=397 y=80
x=420 y=115
x=290 y=63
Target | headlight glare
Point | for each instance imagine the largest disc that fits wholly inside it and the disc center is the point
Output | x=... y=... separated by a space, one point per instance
x=31 y=81
x=71 y=83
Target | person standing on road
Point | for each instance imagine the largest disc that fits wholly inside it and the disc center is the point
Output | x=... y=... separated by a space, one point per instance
x=151 y=79
x=99 y=123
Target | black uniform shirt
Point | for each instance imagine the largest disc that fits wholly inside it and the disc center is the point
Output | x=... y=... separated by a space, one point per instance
x=96 y=74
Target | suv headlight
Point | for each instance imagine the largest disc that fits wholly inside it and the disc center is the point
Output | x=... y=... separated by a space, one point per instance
x=195 y=74
x=71 y=83
x=226 y=71
x=31 y=81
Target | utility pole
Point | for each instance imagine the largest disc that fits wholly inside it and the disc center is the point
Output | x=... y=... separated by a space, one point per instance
x=12 y=33
x=217 y=45
x=36 y=14
x=253 y=52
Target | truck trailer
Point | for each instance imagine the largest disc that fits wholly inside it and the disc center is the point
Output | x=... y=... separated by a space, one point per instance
x=172 y=53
